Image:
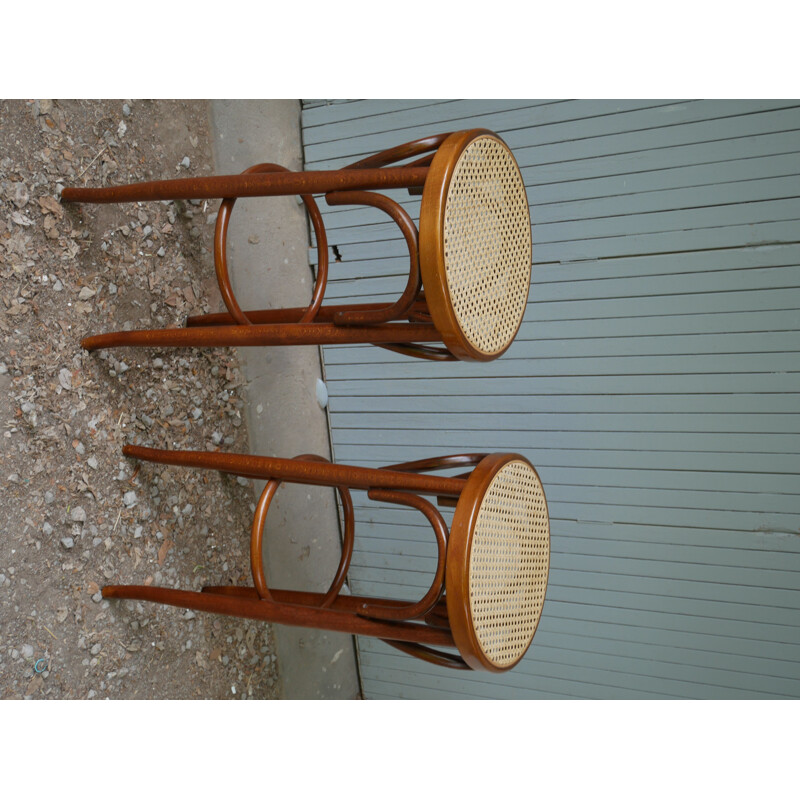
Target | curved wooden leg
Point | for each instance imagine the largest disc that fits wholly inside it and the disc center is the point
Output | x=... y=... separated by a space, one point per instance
x=231 y=605
x=207 y=336
x=231 y=463
x=279 y=315
x=301 y=470
x=280 y=613
x=168 y=337
x=269 y=184
x=301 y=333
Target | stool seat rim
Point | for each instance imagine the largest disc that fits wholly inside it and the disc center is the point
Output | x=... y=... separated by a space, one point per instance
x=459 y=553
x=445 y=310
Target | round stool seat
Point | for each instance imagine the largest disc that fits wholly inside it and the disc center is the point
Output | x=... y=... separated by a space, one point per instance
x=497 y=562
x=475 y=245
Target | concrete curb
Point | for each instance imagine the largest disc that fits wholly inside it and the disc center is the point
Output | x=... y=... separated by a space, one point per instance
x=268 y=261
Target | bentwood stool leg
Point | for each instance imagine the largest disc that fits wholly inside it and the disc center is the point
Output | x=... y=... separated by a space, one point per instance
x=487 y=590
x=282 y=613
x=251 y=185
x=302 y=471
x=260 y=335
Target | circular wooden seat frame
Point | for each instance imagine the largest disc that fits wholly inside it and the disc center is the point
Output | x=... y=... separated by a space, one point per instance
x=469 y=271
x=465 y=607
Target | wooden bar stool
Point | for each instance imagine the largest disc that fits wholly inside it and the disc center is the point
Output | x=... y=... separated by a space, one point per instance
x=470 y=260
x=487 y=593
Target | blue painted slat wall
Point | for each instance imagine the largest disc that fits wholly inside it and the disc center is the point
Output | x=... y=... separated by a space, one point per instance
x=654 y=383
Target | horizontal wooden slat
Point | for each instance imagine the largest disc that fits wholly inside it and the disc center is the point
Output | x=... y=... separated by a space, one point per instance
x=377 y=455
x=705 y=541
x=410 y=539
x=321 y=118
x=678 y=344
x=521 y=367
x=579 y=562
x=758 y=383
x=621 y=244
x=649 y=178
x=503 y=440
x=596 y=270
x=630 y=625
x=690 y=217
x=398 y=118
x=505 y=116
x=692 y=124
x=704 y=598
x=715 y=403
x=553 y=654
x=585 y=422
x=540 y=131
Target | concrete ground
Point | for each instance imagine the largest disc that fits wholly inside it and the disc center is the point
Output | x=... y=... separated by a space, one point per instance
x=268 y=260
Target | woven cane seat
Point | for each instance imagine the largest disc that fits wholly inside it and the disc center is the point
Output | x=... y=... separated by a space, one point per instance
x=476 y=245
x=497 y=576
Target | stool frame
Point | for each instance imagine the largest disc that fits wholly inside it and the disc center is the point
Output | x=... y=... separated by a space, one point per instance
x=439 y=619
x=418 y=323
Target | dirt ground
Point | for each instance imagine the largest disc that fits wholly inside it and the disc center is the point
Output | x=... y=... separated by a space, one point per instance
x=77 y=514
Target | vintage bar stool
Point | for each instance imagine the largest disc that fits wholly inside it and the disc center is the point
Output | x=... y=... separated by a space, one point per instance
x=470 y=260
x=491 y=576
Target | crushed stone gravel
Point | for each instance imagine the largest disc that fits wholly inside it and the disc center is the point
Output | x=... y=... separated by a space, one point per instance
x=77 y=513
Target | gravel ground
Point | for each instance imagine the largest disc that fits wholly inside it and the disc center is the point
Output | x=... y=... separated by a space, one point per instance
x=77 y=513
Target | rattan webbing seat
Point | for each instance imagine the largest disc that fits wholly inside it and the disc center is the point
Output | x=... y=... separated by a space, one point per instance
x=487 y=592
x=470 y=259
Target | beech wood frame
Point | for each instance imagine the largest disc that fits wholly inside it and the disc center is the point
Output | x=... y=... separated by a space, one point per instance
x=419 y=323
x=441 y=618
